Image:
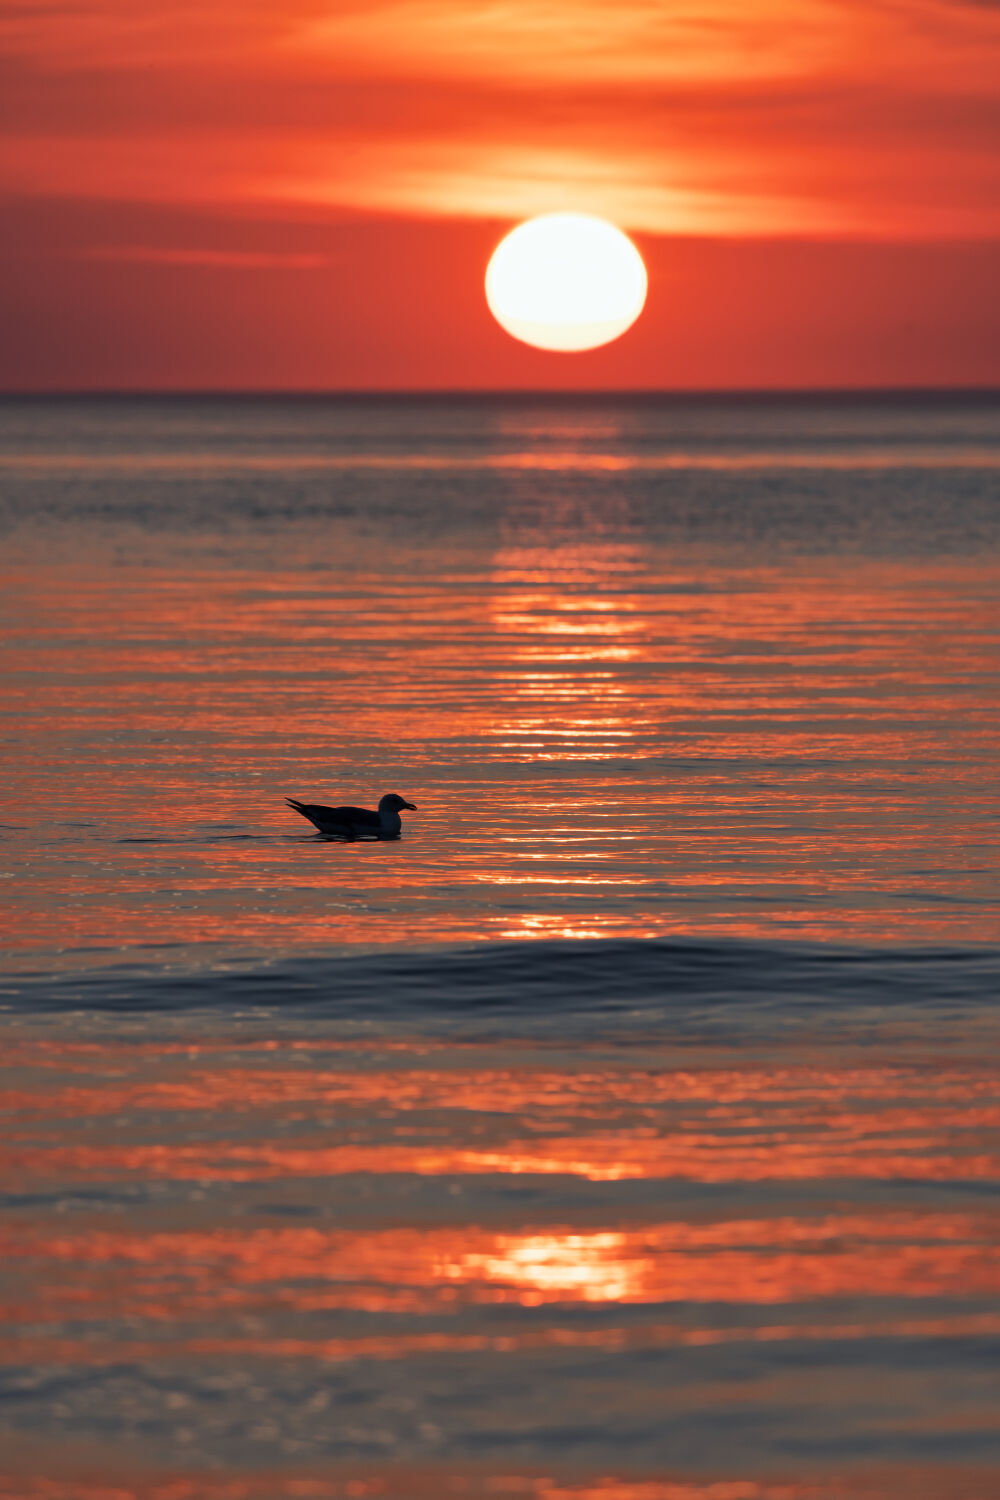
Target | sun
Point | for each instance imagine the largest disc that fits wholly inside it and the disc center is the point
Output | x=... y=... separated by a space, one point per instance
x=566 y=281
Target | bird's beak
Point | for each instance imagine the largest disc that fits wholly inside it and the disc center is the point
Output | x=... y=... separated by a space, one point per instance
x=411 y=805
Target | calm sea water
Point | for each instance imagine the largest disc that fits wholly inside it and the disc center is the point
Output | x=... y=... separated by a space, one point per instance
x=625 y=1131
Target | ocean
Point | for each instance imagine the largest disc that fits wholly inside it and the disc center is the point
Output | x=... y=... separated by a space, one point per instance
x=627 y=1129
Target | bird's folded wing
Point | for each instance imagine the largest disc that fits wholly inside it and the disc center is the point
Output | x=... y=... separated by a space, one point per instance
x=359 y=816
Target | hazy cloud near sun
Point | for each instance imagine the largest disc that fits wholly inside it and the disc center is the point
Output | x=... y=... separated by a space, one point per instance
x=577 y=40
x=587 y=40
x=704 y=116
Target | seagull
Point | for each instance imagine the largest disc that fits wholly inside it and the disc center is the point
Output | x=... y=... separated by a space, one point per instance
x=352 y=822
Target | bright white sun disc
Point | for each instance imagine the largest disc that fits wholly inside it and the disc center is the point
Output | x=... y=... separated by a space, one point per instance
x=566 y=281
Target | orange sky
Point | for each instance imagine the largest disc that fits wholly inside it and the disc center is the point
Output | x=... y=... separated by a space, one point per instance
x=252 y=194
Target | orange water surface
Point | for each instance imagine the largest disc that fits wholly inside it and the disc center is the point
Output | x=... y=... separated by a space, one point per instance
x=720 y=674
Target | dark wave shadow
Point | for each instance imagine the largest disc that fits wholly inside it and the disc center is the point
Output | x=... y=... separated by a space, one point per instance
x=678 y=986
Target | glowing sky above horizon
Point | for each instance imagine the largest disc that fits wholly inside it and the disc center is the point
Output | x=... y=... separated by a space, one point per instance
x=171 y=155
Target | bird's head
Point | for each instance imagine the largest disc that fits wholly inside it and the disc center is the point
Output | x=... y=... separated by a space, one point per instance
x=393 y=802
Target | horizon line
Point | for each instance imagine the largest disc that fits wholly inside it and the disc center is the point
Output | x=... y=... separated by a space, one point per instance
x=474 y=393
